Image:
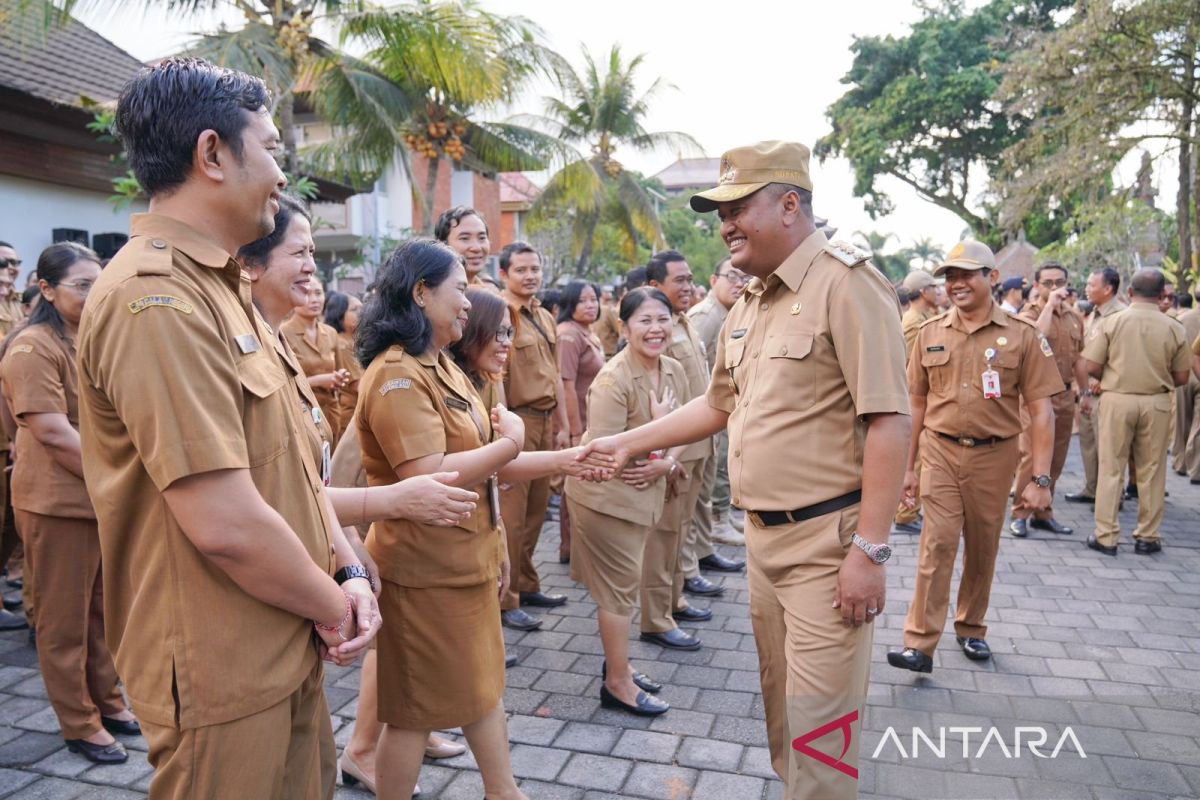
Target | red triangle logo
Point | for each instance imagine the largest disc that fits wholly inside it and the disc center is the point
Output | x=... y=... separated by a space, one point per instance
x=800 y=743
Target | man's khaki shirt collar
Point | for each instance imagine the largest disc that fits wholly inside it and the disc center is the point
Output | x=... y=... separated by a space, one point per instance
x=955 y=320
x=793 y=269
x=182 y=237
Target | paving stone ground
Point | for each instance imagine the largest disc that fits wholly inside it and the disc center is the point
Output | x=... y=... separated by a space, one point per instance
x=1109 y=647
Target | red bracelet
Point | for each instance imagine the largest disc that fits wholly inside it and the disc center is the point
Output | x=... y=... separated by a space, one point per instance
x=338 y=628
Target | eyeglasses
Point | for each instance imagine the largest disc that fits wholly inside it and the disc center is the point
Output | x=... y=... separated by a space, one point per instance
x=1053 y=284
x=734 y=277
x=9 y=262
x=505 y=334
x=83 y=287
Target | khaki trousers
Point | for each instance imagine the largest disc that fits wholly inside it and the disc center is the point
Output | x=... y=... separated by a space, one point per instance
x=965 y=491
x=1064 y=421
x=1132 y=425
x=814 y=670
x=63 y=557
x=1185 y=412
x=1089 y=448
x=702 y=517
x=695 y=540
x=660 y=566
x=285 y=752
x=904 y=514
x=1191 y=458
x=523 y=508
x=721 y=495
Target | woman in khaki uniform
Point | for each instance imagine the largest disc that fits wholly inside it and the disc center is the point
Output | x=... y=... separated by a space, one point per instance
x=341 y=314
x=58 y=523
x=315 y=345
x=619 y=525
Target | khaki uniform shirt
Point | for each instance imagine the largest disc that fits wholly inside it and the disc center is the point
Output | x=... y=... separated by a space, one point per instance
x=178 y=377
x=1139 y=348
x=317 y=428
x=410 y=407
x=707 y=317
x=531 y=376
x=8 y=319
x=688 y=350
x=347 y=359
x=608 y=328
x=803 y=358
x=39 y=377
x=1190 y=320
x=579 y=359
x=1092 y=325
x=912 y=321
x=620 y=401
x=318 y=359
x=949 y=361
x=1065 y=337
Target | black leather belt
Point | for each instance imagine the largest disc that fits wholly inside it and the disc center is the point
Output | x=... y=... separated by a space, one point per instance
x=970 y=441
x=530 y=411
x=767 y=519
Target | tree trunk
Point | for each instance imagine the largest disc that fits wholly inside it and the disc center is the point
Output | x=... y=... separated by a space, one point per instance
x=585 y=254
x=287 y=134
x=431 y=181
x=1183 y=201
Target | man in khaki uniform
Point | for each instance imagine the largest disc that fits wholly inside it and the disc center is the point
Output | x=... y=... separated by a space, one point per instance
x=810 y=380
x=1101 y=289
x=707 y=317
x=607 y=326
x=969 y=369
x=1184 y=450
x=1140 y=356
x=218 y=541
x=12 y=552
x=1064 y=331
x=534 y=391
x=923 y=292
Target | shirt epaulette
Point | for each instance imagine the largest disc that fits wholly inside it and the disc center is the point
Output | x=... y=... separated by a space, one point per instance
x=934 y=318
x=847 y=253
x=1026 y=320
x=154 y=258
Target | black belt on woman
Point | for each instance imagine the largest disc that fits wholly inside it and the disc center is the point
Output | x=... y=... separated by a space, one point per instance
x=767 y=519
x=971 y=441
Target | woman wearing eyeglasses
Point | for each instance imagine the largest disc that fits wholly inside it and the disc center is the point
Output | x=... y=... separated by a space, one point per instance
x=55 y=514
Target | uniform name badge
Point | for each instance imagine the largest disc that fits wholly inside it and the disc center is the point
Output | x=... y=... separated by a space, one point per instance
x=494 y=499
x=326 y=464
x=991 y=378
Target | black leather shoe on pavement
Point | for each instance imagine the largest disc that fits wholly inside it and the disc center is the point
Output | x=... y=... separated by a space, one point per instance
x=675 y=639
x=99 y=753
x=702 y=586
x=641 y=681
x=13 y=605
x=912 y=659
x=542 y=600
x=1145 y=548
x=12 y=622
x=121 y=727
x=692 y=614
x=510 y=660
x=1019 y=528
x=1078 y=497
x=1131 y=492
x=1093 y=544
x=913 y=527
x=646 y=706
x=720 y=563
x=974 y=649
x=1052 y=525
x=517 y=619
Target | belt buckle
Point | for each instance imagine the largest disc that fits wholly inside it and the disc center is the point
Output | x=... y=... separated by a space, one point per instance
x=966 y=441
x=753 y=515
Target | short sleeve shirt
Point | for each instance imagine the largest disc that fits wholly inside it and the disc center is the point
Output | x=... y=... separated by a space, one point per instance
x=949 y=359
x=688 y=350
x=912 y=321
x=178 y=377
x=1139 y=347
x=804 y=357
x=1065 y=336
x=315 y=359
x=579 y=359
x=607 y=328
x=531 y=376
x=39 y=377
x=410 y=407
x=707 y=317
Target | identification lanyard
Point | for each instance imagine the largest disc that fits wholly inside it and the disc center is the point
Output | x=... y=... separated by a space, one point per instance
x=991 y=378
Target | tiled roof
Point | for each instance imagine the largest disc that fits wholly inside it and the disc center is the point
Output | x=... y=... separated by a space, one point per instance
x=516 y=188
x=688 y=173
x=59 y=62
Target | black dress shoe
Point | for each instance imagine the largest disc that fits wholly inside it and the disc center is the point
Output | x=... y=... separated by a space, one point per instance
x=510 y=660
x=1078 y=497
x=121 y=727
x=1144 y=548
x=99 y=753
x=911 y=658
x=720 y=563
x=1194 y=481
x=702 y=586
x=1052 y=525
x=641 y=681
x=913 y=527
x=517 y=619
x=12 y=605
x=647 y=706
x=1019 y=528
x=12 y=622
x=1131 y=492
x=542 y=600
x=692 y=614
x=1093 y=544
x=675 y=639
x=16 y=583
x=974 y=649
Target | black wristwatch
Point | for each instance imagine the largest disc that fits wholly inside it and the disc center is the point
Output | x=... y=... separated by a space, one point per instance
x=350 y=572
x=1043 y=481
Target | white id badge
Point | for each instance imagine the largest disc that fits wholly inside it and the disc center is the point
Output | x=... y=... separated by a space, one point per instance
x=991 y=385
x=326 y=464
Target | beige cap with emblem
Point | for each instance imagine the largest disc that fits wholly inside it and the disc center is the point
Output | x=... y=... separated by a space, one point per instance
x=745 y=170
x=967 y=254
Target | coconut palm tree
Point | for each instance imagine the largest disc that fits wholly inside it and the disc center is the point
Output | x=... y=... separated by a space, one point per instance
x=600 y=111
x=927 y=250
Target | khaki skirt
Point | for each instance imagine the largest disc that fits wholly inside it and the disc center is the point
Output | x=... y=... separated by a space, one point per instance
x=441 y=655
x=606 y=557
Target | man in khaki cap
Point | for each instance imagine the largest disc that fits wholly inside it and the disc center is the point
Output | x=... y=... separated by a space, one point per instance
x=1139 y=355
x=970 y=367
x=809 y=378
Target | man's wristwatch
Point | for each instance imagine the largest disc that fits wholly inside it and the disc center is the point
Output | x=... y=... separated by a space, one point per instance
x=879 y=553
x=1043 y=481
x=351 y=571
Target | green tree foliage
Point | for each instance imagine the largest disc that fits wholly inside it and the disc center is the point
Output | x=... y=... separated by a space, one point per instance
x=894 y=264
x=1118 y=232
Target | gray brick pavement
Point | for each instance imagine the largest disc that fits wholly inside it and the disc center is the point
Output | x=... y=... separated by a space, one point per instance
x=1108 y=647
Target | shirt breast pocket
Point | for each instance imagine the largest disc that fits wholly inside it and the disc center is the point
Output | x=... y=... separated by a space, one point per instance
x=937 y=368
x=789 y=374
x=264 y=409
x=735 y=352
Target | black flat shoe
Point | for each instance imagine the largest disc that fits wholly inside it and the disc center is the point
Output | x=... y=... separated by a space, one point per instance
x=517 y=619
x=910 y=658
x=974 y=649
x=1145 y=548
x=12 y=622
x=1078 y=497
x=1093 y=544
x=647 y=706
x=99 y=753
x=703 y=587
x=720 y=563
x=121 y=727
x=675 y=639
x=692 y=614
x=913 y=527
x=1052 y=525
x=641 y=681
x=1019 y=528
x=542 y=600
x=17 y=583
